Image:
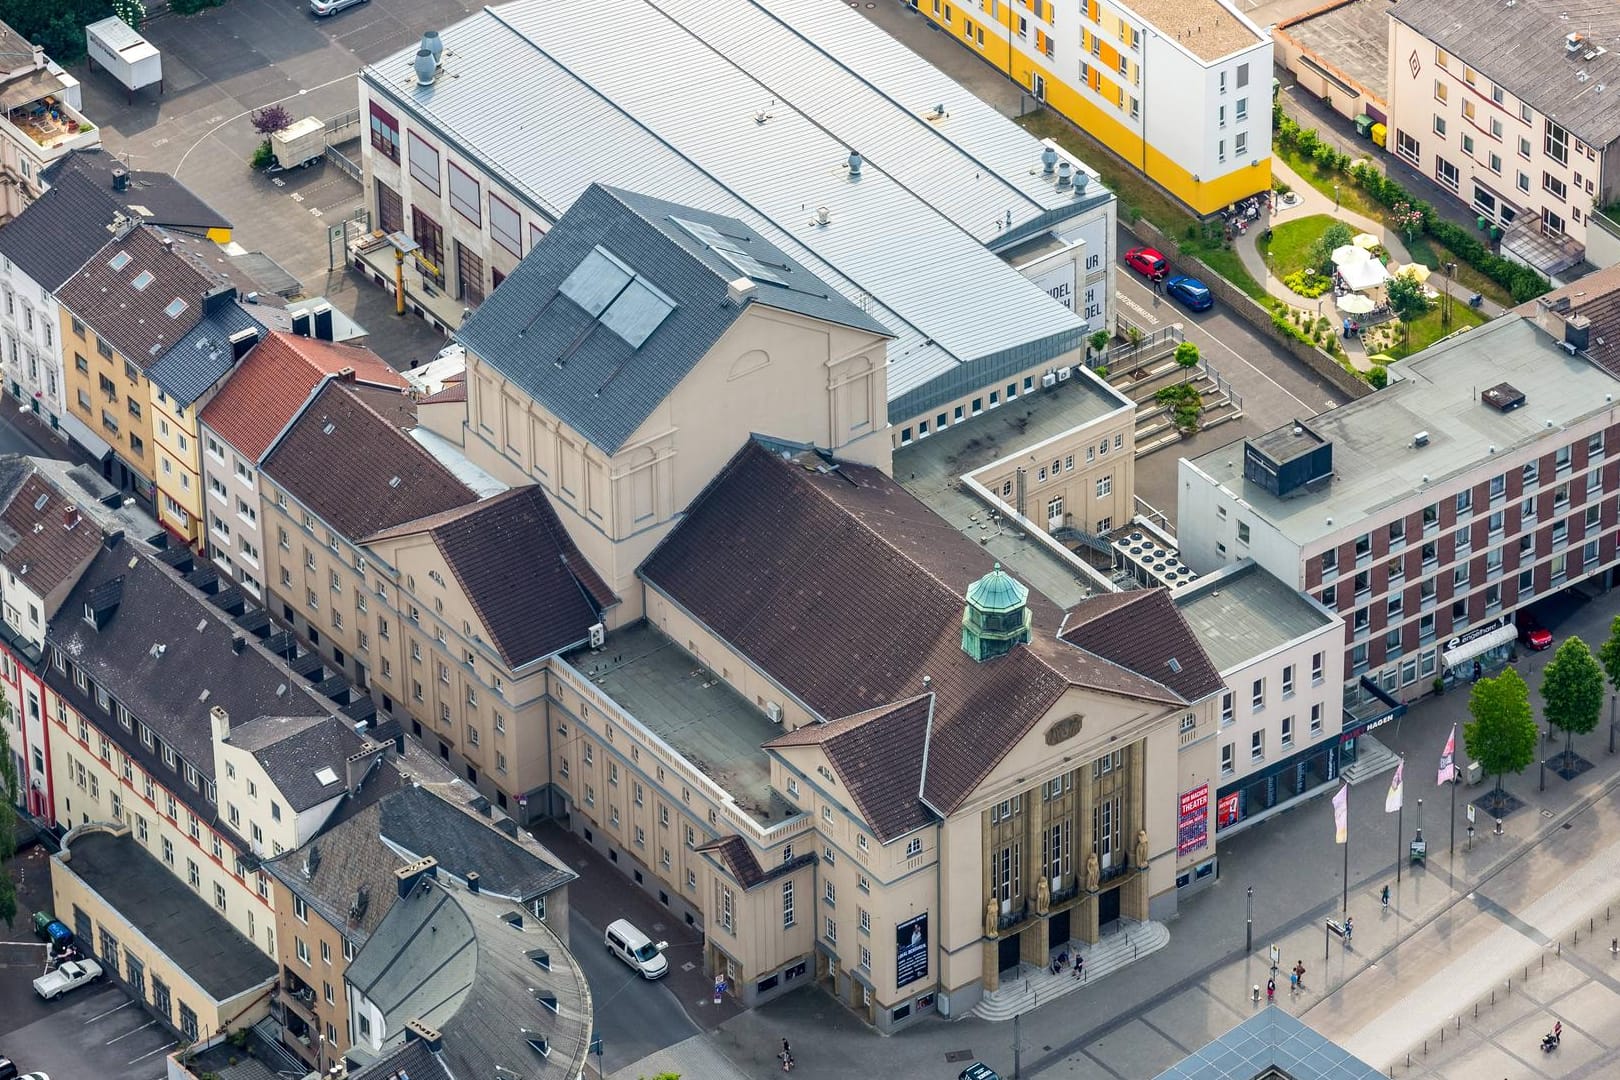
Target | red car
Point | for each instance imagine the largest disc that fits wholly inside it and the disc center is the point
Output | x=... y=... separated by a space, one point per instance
x=1147 y=262
x=1532 y=633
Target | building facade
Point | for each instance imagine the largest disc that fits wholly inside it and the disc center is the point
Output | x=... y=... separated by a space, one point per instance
x=1508 y=113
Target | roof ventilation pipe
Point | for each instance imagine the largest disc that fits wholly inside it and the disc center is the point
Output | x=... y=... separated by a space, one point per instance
x=425 y=70
x=431 y=42
x=1048 y=161
x=855 y=162
x=1064 y=169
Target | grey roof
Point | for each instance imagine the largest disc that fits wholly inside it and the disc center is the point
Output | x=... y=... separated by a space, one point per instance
x=450 y=959
x=760 y=129
x=141 y=293
x=1271 y=1042
x=59 y=231
x=293 y=750
x=1521 y=46
x=1242 y=613
x=1348 y=39
x=204 y=355
x=350 y=883
x=410 y=1059
x=184 y=927
x=600 y=382
x=1374 y=463
x=423 y=823
x=154 y=197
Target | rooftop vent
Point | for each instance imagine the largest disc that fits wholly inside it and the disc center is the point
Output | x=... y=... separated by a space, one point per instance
x=1574 y=41
x=823 y=215
x=1049 y=159
x=1503 y=397
x=362 y=900
x=425 y=68
x=120 y=179
x=855 y=162
x=472 y=881
x=1064 y=172
x=1577 y=333
x=432 y=44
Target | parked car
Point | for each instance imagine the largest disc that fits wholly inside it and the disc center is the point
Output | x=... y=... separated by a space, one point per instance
x=636 y=949
x=1147 y=262
x=331 y=7
x=70 y=976
x=8 y=1068
x=1532 y=633
x=1190 y=291
x=978 y=1071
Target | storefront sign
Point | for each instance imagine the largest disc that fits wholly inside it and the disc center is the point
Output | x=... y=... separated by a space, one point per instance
x=1192 y=825
x=1226 y=810
x=911 y=950
x=1477 y=632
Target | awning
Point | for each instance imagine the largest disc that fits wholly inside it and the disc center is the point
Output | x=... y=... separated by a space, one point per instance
x=1482 y=644
x=89 y=440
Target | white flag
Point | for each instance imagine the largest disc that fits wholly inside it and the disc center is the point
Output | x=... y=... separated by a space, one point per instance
x=1448 y=770
x=1392 y=801
x=1341 y=815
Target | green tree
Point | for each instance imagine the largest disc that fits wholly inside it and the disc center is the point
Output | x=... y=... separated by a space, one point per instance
x=1099 y=341
x=1378 y=376
x=1186 y=405
x=1409 y=302
x=1320 y=255
x=1609 y=656
x=1134 y=335
x=1187 y=358
x=8 y=820
x=1572 y=692
x=1502 y=734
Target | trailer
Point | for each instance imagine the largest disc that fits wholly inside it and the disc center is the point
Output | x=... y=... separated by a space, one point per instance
x=127 y=56
x=301 y=143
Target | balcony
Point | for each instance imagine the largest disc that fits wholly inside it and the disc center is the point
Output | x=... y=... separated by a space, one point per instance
x=48 y=127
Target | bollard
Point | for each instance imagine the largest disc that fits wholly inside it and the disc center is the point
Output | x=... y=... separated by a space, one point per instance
x=1425 y=1047
x=1560 y=948
x=1442 y=1036
x=1459 y=1022
x=1577 y=940
x=1614 y=946
x=1476 y=1010
x=1256 y=994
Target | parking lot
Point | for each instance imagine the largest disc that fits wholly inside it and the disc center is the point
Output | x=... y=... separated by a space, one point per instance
x=96 y=1031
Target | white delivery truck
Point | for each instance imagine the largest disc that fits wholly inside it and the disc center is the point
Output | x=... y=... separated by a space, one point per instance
x=301 y=143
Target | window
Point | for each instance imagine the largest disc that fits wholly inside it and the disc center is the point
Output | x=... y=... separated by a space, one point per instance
x=913 y=848
x=1440 y=126
x=1555 y=143
x=1446 y=173
x=505 y=226
x=1105 y=486
x=385 y=133
x=300 y=909
x=193 y=874
x=1408 y=147
x=1288 y=681
x=1316 y=719
x=464 y=194
x=1227 y=755
x=1554 y=186
x=1240 y=143
x=1287 y=732
x=1257 y=746
x=1226 y=708
x=302 y=950
x=787 y=905
x=424 y=163
x=1257 y=697
x=831 y=894
x=830 y=931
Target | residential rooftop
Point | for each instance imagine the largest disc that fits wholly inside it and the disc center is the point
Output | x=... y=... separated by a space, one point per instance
x=930 y=469
x=1347 y=40
x=674 y=696
x=1375 y=463
x=179 y=923
x=1243 y=613
x=1209 y=29
x=1524 y=47
x=777 y=94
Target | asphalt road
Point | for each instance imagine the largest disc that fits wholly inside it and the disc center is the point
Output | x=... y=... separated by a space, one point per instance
x=634 y=1017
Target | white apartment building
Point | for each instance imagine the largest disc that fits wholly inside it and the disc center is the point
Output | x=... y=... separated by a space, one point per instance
x=1182 y=91
x=1514 y=109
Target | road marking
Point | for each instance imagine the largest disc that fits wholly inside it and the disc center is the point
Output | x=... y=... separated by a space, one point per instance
x=132 y=1031
x=248 y=112
x=149 y=1053
x=1138 y=308
x=109 y=1012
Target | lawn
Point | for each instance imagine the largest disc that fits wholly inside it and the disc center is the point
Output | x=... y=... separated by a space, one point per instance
x=1323 y=180
x=1434 y=256
x=1424 y=332
x=1139 y=198
x=1291 y=241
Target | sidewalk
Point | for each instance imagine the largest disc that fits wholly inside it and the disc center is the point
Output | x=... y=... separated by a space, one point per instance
x=1390 y=983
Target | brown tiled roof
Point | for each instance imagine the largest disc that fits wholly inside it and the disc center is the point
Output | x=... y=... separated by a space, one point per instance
x=740 y=862
x=357 y=471
x=132 y=320
x=54 y=541
x=274 y=381
x=452 y=392
x=879 y=755
x=1597 y=297
x=848 y=591
x=533 y=591
x=1144 y=631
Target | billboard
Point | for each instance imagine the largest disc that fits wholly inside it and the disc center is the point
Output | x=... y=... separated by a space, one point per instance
x=1192 y=822
x=911 y=950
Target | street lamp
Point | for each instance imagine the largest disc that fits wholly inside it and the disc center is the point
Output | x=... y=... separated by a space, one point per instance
x=1445 y=315
x=1248 y=923
x=1335 y=196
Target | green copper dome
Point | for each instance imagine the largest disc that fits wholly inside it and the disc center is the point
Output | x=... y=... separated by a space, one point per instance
x=996 y=616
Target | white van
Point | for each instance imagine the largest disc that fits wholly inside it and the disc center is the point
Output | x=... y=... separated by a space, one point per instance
x=636 y=949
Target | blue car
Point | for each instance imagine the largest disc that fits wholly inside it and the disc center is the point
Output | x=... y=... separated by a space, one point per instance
x=1190 y=291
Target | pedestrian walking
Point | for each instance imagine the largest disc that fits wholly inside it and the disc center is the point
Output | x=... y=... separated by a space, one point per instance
x=1299 y=973
x=1079 y=965
x=1271 y=989
x=1349 y=927
x=1293 y=981
x=1385 y=898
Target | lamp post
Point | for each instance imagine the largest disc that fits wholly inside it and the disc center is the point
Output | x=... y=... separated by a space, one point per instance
x=1335 y=197
x=1248 y=923
x=1445 y=312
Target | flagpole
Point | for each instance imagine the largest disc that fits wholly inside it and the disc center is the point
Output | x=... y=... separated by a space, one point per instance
x=1453 y=850
x=1400 y=813
x=1344 y=908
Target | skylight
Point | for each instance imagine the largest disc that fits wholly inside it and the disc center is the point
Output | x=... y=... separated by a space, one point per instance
x=617 y=297
x=734 y=251
x=326 y=776
x=142 y=280
x=176 y=306
x=119 y=261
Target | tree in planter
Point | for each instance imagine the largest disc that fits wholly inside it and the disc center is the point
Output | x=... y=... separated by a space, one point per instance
x=1572 y=693
x=1099 y=342
x=1502 y=734
x=1134 y=335
x=1186 y=405
x=1609 y=657
x=1408 y=301
x=1187 y=358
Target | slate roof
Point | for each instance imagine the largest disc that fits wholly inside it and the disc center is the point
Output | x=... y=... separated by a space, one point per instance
x=36 y=543
x=592 y=378
x=848 y=591
x=353 y=861
x=184 y=927
x=450 y=959
x=1143 y=630
x=1597 y=298
x=276 y=379
x=879 y=755
x=292 y=749
x=408 y=1059
x=196 y=668
x=534 y=593
x=58 y=232
x=343 y=461
x=153 y=196
x=135 y=321
x=205 y=355
x=424 y=823
x=740 y=862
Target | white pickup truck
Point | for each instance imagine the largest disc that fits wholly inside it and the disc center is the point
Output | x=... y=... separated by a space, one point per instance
x=73 y=974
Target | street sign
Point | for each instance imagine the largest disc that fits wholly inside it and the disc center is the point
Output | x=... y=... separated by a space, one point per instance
x=1470 y=813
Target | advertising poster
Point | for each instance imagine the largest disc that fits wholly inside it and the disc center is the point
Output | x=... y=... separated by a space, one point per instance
x=1192 y=823
x=911 y=950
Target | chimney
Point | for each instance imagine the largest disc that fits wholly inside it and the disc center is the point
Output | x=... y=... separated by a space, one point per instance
x=357 y=766
x=220 y=720
x=738 y=290
x=242 y=342
x=418 y=1030
x=113 y=539
x=217 y=298
x=301 y=323
x=322 y=314
x=408 y=875
x=1577 y=332
x=238 y=643
x=472 y=881
x=70 y=517
x=120 y=179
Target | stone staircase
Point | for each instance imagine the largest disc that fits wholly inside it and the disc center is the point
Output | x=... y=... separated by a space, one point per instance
x=1030 y=986
x=1154 y=429
x=1372 y=758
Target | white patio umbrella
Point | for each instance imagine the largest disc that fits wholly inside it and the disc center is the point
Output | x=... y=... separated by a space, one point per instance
x=1364 y=240
x=1349 y=254
x=1355 y=304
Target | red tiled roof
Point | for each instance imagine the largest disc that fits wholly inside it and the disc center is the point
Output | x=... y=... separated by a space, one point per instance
x=453 y=391
x=849 y=592
x=1144 y=631
x=275 y=380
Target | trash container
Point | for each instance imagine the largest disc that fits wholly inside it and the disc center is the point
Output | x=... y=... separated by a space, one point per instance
x=1476 y=773
x=1364 y=125
x=1419 y=849
x=1380 y=133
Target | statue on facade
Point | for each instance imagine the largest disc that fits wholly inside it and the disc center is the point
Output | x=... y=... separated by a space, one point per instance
x=1093 y=872
x=992 y=918
x=1141 y=849
x=1043 y=897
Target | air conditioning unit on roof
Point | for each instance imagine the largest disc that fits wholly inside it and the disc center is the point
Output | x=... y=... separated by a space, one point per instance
x=598 y=634
x=773 y=712
x=1063 y=374
x=1049 y=380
